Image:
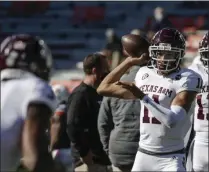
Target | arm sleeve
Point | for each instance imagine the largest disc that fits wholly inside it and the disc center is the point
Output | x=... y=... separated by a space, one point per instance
x=169 y=117
x=105 y=123
x=76 y=122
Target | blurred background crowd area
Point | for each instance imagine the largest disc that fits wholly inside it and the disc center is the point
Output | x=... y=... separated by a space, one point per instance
x=73 y=29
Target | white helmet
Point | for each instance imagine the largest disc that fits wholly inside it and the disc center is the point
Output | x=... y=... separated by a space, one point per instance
x=61 y=93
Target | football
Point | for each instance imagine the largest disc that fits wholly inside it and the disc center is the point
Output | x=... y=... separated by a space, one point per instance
x=133 y=45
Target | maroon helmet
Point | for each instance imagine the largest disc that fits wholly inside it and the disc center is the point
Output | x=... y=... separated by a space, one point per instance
x=2 y=62
x=27 y=52
x=204 y=50
x=169 y=43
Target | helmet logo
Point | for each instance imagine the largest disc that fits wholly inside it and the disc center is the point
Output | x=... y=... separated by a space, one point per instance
x=165 y=46
x=146 y=75
x=19 y=45
x=10 y=61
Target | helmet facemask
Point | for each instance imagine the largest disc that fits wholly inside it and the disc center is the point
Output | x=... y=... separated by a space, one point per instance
x=204 y=56
x=171 y=57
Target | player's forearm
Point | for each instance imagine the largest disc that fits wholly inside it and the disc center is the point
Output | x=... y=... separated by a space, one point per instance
x=169 y=117
x=54 y=136
x=55 y=130
x=29 y=149
x=115 y=75
x=36 y=156
x=109 y=87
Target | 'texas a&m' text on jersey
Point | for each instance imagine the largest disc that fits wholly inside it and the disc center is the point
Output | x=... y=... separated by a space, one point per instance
x=154 y=136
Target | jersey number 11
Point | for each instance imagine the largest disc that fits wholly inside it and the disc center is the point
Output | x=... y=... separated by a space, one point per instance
x=200 y=114
x=146 y=118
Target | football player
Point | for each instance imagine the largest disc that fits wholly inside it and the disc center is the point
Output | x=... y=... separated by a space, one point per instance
x=166 y=92
x=200 y=147
x=60 y=142
x=27 y=103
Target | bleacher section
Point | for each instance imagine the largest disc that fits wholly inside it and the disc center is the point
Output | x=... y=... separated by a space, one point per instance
x=73 y=29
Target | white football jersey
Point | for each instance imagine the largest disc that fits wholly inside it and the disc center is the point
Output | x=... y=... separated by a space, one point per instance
x=16 y=94
x=154 y=136
x=202 y=104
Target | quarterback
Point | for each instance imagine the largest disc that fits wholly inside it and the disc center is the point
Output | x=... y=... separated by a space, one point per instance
x=166 y=92
x=27 y=103
x=200 y=147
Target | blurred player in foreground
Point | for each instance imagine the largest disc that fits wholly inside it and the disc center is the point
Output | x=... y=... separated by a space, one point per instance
x=166 y=92
x=60 y=142
x=27 y=103
x=199 y=150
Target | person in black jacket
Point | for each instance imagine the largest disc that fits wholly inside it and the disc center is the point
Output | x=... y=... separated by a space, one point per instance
x=83 y=108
